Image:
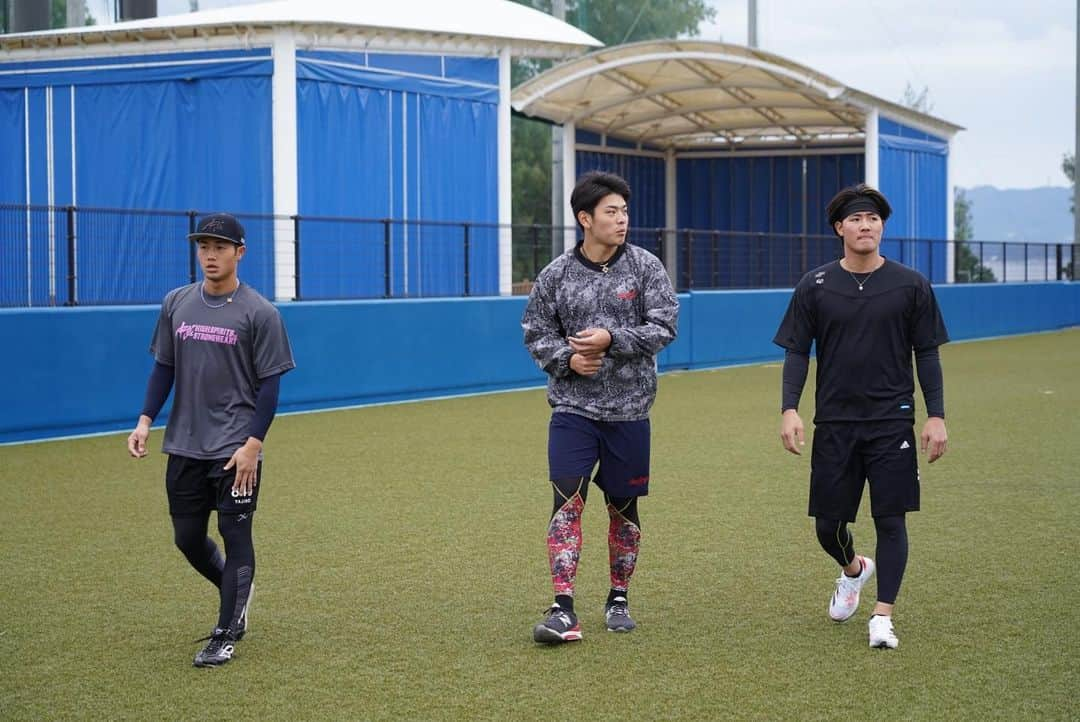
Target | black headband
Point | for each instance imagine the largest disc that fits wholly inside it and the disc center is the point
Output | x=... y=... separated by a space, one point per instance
x=860 y=204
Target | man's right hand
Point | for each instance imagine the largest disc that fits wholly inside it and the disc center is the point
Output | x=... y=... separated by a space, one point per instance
x=586 y=364
x=792 y=432
x=137 y=438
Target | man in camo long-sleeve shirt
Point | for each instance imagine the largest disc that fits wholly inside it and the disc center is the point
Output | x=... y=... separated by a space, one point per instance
x=596 y=319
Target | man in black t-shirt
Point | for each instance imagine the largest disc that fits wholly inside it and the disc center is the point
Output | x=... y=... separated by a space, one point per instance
x=865 y=315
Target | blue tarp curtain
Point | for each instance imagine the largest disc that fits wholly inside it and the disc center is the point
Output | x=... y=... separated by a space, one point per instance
x=413 y=148
x=763 y=195
x=203 y=126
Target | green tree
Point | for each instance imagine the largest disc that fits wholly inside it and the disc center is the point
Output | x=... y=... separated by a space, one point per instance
x=967 y=266
x=59 y=14
x=917 y=99
x=612 y=22
x=1068 y=167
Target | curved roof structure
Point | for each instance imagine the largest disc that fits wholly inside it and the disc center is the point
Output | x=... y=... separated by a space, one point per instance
x=694 y=94
x=475 y=25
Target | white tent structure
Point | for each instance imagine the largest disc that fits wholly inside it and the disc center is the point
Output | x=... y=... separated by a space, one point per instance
x=394 y=109
x=720 y=137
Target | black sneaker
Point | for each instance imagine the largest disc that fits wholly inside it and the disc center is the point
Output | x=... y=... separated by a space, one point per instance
x=217 y=651
x=617 y=616
x=242 y=624
x=558 y=626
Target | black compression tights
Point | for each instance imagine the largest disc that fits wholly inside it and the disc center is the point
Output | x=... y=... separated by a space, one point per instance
x=231 y=573
x=892 y=550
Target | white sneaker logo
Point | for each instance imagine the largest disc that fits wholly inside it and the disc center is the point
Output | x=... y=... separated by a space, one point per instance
x=905 y=445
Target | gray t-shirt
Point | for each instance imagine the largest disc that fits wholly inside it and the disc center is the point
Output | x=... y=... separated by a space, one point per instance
x=218 y=355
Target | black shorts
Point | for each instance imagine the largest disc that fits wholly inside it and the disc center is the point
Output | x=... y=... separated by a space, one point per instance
x=847 y=454
x=576 y=444
x=198 y=486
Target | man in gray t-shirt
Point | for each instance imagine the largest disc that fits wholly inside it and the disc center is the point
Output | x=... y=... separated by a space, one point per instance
x=224 y=348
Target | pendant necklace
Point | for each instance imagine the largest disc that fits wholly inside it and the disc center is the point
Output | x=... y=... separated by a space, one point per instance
x=206 y=303
x=862 y=282
x=603 y=264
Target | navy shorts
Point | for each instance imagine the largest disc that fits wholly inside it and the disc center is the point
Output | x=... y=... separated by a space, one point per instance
x=847 y=454
x=197 y=486
x=576 y=444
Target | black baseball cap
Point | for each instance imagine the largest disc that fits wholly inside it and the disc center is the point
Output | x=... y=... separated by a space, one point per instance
x=219 y=225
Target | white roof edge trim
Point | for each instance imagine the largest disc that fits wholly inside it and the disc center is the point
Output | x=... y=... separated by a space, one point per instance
x=355 y=39
x=829 y=91
x=502 y=21
x=901 y=114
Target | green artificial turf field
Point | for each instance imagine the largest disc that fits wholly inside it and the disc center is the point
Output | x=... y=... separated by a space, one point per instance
x=402 y=564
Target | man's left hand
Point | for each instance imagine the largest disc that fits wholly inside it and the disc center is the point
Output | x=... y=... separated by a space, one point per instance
x=591 y=341
x=246 y=461
x=933 y=438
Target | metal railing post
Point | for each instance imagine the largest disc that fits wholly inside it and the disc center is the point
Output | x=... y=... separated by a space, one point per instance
x=387 y=291
x=715 y=238
x=71 y=299
x=296 y=257
x=535 y=233
x=689 y=259
x=191 y=246
x=465 y=238
x=769 y=259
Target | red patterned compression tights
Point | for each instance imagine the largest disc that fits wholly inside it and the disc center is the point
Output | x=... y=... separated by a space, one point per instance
x=624 y=540
x=564 y=544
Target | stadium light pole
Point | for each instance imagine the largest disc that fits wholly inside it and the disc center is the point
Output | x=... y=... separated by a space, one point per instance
x=751 y=31
x=1076 y=152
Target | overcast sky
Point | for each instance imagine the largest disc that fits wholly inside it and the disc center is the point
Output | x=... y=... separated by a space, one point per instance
x=1006 y=71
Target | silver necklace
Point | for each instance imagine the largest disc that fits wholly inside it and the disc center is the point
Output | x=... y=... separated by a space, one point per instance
x=206 y=303
x=603 y=264
x=862 y=282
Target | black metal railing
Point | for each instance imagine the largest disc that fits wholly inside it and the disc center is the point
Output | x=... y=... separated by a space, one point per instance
x=55 y=256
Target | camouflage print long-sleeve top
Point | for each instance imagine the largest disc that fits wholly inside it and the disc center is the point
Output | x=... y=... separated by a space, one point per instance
x=633 y=300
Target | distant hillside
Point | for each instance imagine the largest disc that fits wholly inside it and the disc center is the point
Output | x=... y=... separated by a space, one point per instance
x=1036 y=215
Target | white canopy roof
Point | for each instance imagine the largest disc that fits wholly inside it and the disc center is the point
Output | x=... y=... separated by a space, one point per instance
x=691 y=94
x=464 y=24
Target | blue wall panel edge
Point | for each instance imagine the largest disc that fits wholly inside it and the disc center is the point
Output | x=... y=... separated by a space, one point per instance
x=84 y=370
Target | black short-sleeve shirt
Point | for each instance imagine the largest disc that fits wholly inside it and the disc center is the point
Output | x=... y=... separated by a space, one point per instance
x=864 y=339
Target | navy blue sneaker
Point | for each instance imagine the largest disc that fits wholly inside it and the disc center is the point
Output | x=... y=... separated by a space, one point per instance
x=558 y=626
x=617 y=616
